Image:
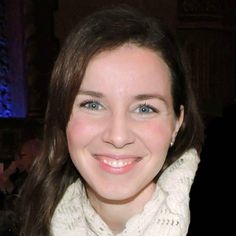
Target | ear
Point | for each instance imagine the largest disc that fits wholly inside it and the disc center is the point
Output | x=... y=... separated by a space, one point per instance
x=178 y=123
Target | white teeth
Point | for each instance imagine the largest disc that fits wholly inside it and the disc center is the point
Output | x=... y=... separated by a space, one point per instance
x=116 y=163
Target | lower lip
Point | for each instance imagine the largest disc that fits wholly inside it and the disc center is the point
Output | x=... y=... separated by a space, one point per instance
x=117 y=170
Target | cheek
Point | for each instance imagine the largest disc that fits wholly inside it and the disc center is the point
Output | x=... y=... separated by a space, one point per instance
x=79 y=131
x=156 y=134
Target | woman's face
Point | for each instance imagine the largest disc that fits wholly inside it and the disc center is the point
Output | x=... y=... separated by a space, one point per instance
x=122 y=122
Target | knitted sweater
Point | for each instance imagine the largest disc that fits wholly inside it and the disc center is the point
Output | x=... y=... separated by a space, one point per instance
x=166 y=213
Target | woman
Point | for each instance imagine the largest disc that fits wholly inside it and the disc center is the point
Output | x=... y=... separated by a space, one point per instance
x=121 y=132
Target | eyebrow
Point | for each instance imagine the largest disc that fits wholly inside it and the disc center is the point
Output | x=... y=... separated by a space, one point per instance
x=141 y=97
x=138 y=97
x=91 y=93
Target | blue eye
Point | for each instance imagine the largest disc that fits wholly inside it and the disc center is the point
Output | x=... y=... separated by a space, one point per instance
x=144 y=108
x=91 y=105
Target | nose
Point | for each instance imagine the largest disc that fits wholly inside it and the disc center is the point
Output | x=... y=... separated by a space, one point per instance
x=118 y=131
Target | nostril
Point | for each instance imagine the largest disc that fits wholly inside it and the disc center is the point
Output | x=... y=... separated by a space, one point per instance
x=119 y=134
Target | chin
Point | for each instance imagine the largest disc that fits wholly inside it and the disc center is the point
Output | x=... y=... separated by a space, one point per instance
x=118 y=195
x=113 y=194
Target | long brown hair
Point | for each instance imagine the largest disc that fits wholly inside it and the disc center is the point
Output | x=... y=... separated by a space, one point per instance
x=54 y=171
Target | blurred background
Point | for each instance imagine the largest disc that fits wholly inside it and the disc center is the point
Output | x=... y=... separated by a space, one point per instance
x=32 y=32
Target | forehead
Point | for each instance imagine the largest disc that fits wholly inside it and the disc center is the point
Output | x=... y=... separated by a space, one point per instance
x=128 y=68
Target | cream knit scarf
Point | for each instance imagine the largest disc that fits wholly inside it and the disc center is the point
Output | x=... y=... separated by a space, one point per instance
x=166 y=214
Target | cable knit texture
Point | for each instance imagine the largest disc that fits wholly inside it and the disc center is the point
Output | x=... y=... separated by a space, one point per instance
x=166 y=214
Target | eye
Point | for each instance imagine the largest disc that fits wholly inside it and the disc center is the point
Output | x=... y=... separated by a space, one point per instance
x=146 y=109
x=91 y=105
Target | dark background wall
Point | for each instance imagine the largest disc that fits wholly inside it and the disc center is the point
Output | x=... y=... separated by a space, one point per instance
x=32 y=31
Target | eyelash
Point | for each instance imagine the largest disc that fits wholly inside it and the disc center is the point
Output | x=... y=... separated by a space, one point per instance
x=88 y=102
x=85 y=103
x=146 y=105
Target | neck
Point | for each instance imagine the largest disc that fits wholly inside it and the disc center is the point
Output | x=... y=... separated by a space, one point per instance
x=116 y=213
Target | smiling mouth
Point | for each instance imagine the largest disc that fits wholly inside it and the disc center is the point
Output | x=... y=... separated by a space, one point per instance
x=117 y=162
